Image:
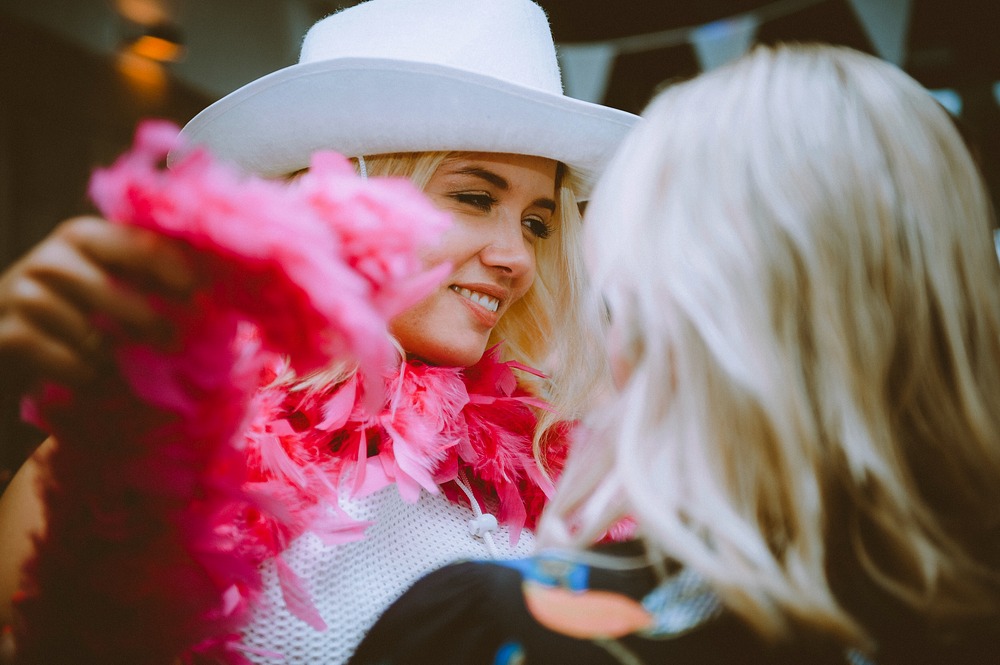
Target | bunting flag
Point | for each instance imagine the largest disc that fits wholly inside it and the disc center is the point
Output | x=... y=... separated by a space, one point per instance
x=949 y=99
x=719 y=42
x=586 y=69
x=886 y=22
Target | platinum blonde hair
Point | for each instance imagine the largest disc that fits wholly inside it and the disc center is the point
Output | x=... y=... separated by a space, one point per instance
x=796 y=254
x=546 y=326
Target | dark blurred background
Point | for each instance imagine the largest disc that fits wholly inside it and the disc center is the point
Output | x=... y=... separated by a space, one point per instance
x=77 y=75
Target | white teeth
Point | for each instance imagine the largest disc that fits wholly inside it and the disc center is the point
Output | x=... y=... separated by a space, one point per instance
x=489 y=302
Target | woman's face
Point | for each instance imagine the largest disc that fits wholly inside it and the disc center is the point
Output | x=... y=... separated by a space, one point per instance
x=502 y=205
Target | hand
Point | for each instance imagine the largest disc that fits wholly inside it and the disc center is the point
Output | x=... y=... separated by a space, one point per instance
x=86 y=270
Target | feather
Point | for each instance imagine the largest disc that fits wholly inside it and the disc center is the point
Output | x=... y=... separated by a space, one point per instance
x=180 y=472
x=296 y=597
x=198 y=467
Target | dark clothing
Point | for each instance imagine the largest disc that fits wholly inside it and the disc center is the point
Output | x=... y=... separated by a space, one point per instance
x=475 y=613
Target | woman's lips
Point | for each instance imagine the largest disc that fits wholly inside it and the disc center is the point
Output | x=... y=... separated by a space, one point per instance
x=483 y=299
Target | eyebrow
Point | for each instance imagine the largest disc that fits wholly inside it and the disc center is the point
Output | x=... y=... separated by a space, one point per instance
x=502 y=184
x=489 y=176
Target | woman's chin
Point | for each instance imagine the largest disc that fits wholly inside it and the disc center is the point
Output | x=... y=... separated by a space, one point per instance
x=449 y=356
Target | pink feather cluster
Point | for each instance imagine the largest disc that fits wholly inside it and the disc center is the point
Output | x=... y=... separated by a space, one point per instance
x=345 y=248
x=435 y=425
x=147 y=554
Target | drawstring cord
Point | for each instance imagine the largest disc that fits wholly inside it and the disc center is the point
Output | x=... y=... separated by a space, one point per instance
x=362 y=167
x=483 y=524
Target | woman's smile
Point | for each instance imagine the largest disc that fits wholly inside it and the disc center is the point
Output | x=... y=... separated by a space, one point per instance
x=501 y=206
x=481 y=299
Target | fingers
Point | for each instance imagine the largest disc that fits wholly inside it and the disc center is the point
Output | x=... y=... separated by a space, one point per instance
x=87 y=270
x=113 y=269
x=150 y=260
x=43 y=335
x=63 y=287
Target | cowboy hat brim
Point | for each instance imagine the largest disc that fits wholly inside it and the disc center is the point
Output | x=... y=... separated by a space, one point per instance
x=370 y=106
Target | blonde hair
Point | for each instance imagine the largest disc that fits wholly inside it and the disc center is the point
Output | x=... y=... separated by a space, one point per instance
x=544 y=327
x=795 y=252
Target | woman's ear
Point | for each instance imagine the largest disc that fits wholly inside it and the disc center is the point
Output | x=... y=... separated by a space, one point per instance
x=623 y=352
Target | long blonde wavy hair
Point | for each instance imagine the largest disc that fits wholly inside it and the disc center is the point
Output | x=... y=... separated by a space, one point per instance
x=796 y=254
x=546 y=328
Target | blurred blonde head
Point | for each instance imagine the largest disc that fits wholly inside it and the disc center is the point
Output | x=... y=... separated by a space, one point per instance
x=796 y=254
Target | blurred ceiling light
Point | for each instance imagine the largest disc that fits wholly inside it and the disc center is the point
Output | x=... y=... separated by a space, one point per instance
x=145 y=77
x=161 y=42
x=143 y=12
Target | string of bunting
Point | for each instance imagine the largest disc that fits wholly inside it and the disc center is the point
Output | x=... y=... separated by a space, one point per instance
x=586 y=66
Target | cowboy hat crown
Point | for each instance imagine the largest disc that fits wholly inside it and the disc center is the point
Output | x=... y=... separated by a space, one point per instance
x=390 y=76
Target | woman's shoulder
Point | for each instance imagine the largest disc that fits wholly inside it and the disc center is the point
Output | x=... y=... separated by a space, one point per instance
x=445 y=617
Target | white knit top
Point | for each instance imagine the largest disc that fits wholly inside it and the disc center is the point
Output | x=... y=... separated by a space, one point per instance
x=351 y=584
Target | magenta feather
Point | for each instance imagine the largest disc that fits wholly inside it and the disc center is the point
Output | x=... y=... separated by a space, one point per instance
x=190 y=468
x=156 y=526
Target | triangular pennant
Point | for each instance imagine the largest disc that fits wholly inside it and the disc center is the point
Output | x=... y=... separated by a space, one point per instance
x=719 y=42
x=586 y=69
x=886 y=22
x=950 y=99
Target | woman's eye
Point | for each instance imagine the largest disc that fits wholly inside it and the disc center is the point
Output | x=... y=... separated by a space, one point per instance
x=538 y=227
x=479 y=200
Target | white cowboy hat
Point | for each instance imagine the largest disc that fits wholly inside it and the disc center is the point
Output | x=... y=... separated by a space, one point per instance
x=415 y=75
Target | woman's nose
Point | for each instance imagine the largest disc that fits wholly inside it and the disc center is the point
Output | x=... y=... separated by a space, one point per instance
x=508 y=248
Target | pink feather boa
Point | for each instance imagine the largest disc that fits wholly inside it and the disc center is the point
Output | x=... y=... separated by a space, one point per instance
x=147 y=554
x=306 y=447
x=435 y=424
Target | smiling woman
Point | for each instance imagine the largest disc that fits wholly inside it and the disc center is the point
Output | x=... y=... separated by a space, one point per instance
x=501 y=205
x=457 y=457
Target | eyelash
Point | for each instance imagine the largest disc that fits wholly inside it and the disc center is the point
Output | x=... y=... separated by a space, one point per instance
x=538 y=228
x=484 y=202
x=478 y=200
